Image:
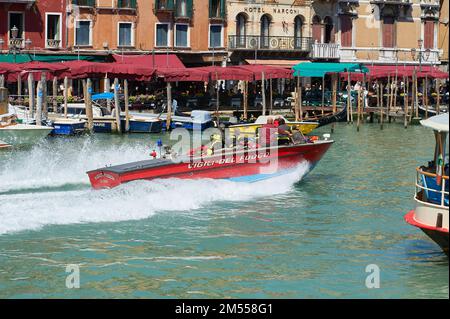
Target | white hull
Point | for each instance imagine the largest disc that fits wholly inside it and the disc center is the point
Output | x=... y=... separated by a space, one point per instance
x=23 y=134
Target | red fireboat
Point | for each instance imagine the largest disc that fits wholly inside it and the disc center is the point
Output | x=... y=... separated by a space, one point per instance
x=247 y=164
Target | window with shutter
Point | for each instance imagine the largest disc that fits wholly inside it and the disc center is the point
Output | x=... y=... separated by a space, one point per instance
x=346 y=31
x=429 y=34
x=389 y=36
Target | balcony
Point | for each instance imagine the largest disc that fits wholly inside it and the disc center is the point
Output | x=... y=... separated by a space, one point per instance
x=84 y=3
x=53 y=43
x=16 y=43
x=325 y=51
x=162 y=6
x=271 y=43
x=127 y=4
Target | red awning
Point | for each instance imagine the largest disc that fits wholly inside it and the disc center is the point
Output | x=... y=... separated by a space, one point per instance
x=9 y=68
x=384 y=71
x=226 y=73
x=150 y=60
x=36 y=67
x=270 y=72
x=84 y=69
x=183 y=75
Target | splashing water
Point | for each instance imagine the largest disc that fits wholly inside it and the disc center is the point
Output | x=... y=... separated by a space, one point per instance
x=50 y=186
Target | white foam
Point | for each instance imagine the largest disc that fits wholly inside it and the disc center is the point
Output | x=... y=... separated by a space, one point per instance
x=136 y=200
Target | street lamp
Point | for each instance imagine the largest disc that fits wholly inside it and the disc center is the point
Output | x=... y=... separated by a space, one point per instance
x=15 y=43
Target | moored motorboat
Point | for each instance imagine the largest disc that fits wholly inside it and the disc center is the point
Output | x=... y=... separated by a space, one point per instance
x=237 y=164
x=16 y=134
x=431 y=213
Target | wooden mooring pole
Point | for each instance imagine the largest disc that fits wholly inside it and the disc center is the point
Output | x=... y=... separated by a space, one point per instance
x=169 y=105
x=39 y=102
x=66 y=94
x=381 y=106
x=31 y=95
x=127 y=107
x=117 y=105
x=88 y=103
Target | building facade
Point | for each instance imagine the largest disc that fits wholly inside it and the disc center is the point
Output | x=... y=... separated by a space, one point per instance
x=378 y=31
x=31 y=25
x=193 y=29
x=268 y=31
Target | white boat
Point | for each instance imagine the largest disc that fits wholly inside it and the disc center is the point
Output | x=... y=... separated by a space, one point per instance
x=16 y=134
x=432 y=187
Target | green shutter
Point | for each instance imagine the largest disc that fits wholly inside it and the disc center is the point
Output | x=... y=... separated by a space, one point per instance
x=170 y=4
x=133 y=4
x=190 y=5
x=223 y=8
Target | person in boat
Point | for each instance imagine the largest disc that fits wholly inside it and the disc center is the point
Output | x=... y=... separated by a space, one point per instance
x=284 y=132
x=267 y=133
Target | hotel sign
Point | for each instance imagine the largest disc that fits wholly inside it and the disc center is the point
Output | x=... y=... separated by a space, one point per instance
x=273 y=10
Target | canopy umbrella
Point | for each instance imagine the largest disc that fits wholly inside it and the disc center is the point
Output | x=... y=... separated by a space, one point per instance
x=270 y=72
x=85 y=69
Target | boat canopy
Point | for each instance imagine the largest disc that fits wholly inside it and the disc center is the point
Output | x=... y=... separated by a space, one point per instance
x=103 y=96
x=319 y=69
x=438 y=123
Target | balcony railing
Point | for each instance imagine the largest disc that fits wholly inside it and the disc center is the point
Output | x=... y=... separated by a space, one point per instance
x=325 y=51
x=16 y=43
x=53 y=44
x=164 y=6
x=84 y=3
x=282 y=43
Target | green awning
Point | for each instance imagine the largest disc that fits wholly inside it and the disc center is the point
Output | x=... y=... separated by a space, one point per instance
x=22 y=58
x=318 y=69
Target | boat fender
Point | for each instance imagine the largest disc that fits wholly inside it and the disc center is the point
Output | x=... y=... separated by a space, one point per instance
x=153 y=154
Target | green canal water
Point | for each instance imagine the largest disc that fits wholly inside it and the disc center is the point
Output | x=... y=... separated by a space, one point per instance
x=291 y=237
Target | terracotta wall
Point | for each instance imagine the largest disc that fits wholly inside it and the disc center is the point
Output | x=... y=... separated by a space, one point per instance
x=105 y=25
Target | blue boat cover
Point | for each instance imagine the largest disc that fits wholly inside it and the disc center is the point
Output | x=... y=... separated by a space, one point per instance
x=103 y=96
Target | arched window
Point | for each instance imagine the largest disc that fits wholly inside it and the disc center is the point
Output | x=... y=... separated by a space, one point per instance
x=346 y=31
x=298 y=31
x=389 y=32
x=316 y=29
x=329 y=30
x=241 y=31
x=428 y=34
x=265 y=31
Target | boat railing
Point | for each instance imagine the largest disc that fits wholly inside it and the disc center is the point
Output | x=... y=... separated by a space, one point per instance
x=436 y=196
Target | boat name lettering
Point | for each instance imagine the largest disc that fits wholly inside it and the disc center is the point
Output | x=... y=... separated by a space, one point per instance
x=101 y=175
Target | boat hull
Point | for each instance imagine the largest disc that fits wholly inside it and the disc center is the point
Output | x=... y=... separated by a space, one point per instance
x=439 y=235
x=240 y=166
x=68 y=128
x=23 y=134
x=143 y=126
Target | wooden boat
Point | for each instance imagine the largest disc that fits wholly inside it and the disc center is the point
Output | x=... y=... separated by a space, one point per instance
x=236 y=164
x=305 y=127
x=432 y=187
